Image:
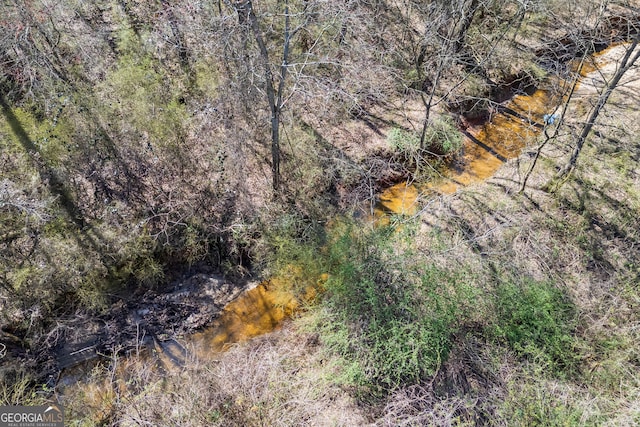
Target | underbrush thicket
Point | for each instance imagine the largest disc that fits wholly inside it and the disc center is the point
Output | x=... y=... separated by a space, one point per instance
x=391 y=315
x=391 y=331
x=442 y=140
x=127 y=140
x=537 y=321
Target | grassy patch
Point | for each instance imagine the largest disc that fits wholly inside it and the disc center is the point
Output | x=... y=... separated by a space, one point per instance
x=389 y=316
x=444 y=136
x=17 y=387
x=529 y=401
x=536 y=320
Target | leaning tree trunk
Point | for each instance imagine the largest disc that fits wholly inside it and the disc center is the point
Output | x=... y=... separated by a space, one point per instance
x=560 y=122
x=627 y=62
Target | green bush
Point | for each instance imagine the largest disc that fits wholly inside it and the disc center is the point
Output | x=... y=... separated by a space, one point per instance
x=403 y=142
x=140 y=98
x=530 y=400
x=390 y=317
x=443 y=136
x=536 y=320
x=290 y=249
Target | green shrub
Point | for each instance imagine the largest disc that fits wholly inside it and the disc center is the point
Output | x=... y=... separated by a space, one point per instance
x=385 y=313
x=529 y=401
x=290 y=249
x=18 y=387
x=402 y=141
x=405 y=148
x=142 y=99
x=443 y=136
x=536 y=320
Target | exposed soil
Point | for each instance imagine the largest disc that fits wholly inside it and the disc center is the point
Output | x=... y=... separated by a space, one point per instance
x=188 y=305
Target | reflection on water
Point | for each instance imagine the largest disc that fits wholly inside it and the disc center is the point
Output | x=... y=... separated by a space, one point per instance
x=262 y=309
x=502 y=138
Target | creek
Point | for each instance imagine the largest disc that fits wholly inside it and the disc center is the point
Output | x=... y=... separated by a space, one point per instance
x=485 y=148
x=262 y=309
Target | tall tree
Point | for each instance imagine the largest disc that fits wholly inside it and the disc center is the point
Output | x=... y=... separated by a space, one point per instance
x=274 y=87
x=446 y=58
x=567 y=87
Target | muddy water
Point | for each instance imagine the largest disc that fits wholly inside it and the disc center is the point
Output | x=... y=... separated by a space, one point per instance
x=488 y=146
x=398 y=199
x=263 y=308
x=485 y=149
x=500 y=139
x=256 y=312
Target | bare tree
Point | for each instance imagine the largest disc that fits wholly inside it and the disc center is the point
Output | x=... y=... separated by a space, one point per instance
x=274 y=87
x=628 y=60
x=568 y=90
x=445 y=57
x=553 y=119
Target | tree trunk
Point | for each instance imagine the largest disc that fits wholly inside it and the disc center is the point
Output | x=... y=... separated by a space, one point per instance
x=548 y=137
x=627 y=62
x=274 y=96
x=467 y=19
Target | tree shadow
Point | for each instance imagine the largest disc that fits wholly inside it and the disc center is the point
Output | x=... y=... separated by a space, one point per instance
x=484 y=146
x=510 y=111
x=589 y=205
x=374 y=121
x=86 y=235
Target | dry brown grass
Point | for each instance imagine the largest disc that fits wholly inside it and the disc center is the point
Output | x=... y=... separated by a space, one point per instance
x=582 y=238
x=275 y=380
